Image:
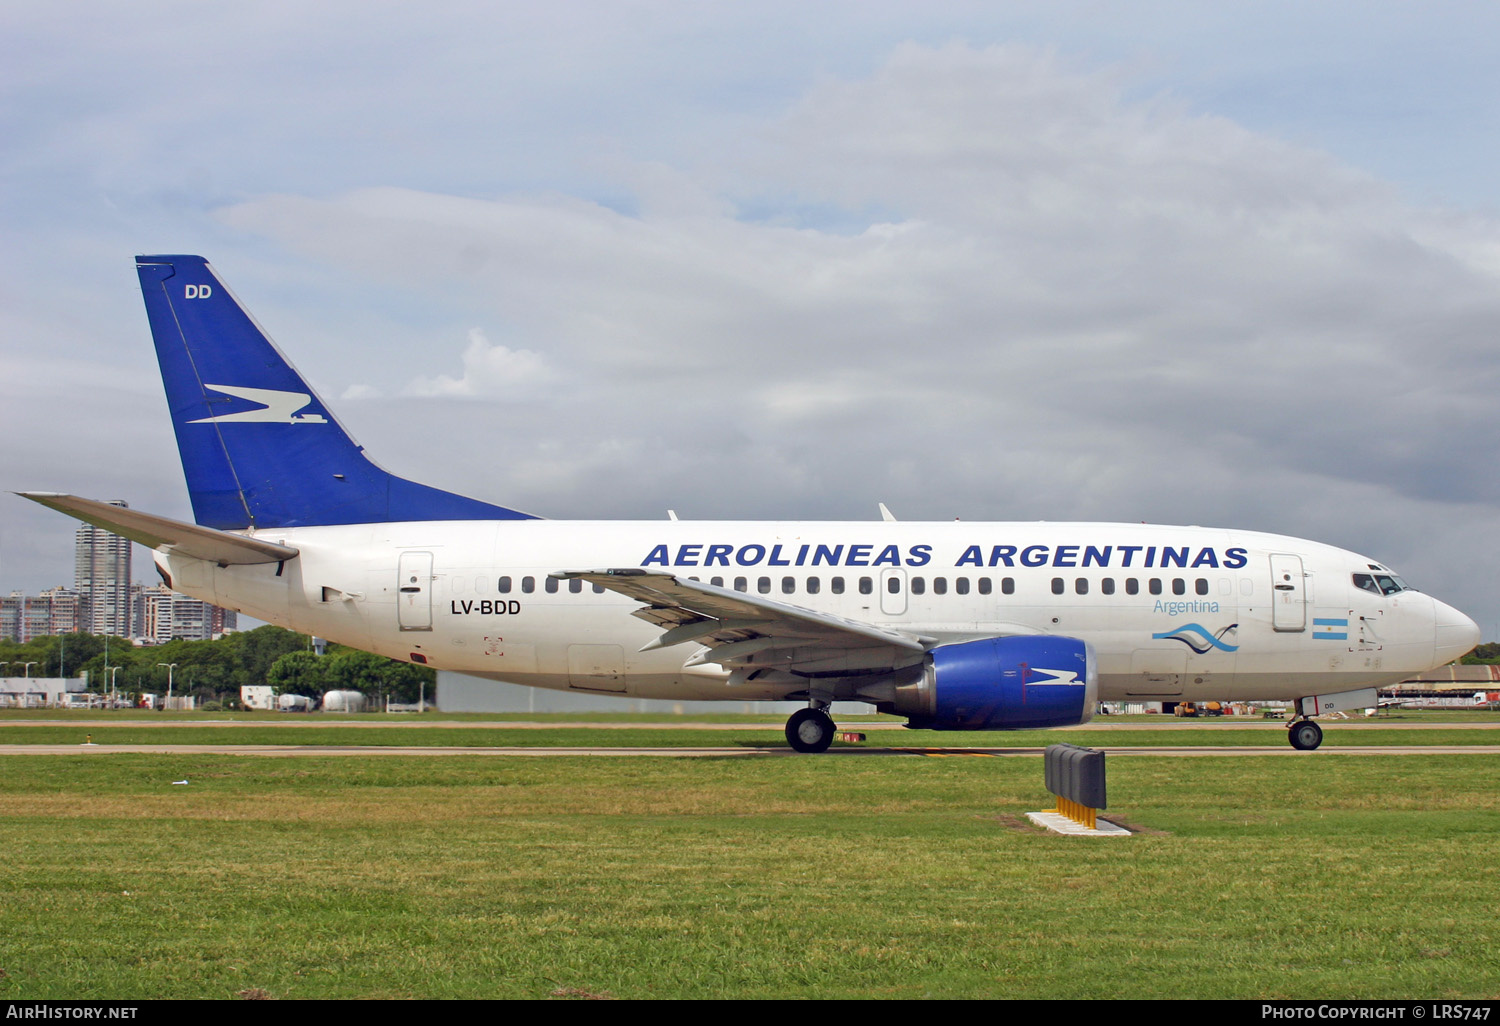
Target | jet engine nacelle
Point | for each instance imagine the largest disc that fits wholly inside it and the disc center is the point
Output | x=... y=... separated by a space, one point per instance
x=1002 y=684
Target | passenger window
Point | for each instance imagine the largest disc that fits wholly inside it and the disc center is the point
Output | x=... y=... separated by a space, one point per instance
x=717 y=582
x=986 y=586
x=740 y=584
x=866 y=586
x=1058 y=587
x=1132 y=586
x=961 y=585
x=1081 y=585
x=1202 y=586
x=813 y=585
x=551 y=586
x=836 y=585
x=598 y=589
x=528 y=585
x=1155 y=586
x=1007 y=586
x=505 y=585
x=1107 y=586
x=1179 y=586
x=940 y=585
x=918 y=585
x=576 y=586
x=893 y=584
x=789 y=585
x=763 y=585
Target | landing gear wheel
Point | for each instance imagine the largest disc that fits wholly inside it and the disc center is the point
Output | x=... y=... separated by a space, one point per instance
x=810 y=730
x=1305 y=735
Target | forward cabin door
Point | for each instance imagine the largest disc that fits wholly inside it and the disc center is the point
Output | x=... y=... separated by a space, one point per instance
x=414 y=591
x=1288 y=593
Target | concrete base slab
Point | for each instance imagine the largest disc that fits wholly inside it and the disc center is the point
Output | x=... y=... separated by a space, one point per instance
x=1060 y=824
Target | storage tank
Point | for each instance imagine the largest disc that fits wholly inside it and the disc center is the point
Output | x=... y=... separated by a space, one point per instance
x=344 y=701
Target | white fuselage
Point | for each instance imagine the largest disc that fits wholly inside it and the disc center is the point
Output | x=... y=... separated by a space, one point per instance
x=1170 y=612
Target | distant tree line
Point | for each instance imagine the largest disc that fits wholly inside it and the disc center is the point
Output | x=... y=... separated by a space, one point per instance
x=214 y=671
x=348 y=669
x=1488 y=653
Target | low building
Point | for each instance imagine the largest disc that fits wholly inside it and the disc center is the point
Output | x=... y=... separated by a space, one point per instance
x=258 y=696
x=38 y=692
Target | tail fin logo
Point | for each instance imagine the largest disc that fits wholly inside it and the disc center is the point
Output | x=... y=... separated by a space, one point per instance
x=275 y=407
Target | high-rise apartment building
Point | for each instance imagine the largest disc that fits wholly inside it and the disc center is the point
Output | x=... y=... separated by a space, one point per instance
x=54 y=611
x=101 y=575
x=169 y=615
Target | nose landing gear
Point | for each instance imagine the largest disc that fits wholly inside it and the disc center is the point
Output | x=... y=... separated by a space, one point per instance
x=1305 y=735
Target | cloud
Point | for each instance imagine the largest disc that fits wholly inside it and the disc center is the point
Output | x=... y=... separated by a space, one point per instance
x=1066 y=266
x=979 y=281
x=489 y=370
x=1062 y=302
x=357 y=392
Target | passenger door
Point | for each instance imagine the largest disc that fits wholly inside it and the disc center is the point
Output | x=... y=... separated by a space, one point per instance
x=1288 y=593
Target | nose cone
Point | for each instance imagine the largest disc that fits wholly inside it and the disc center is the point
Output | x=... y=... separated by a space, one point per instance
x=1454 y=633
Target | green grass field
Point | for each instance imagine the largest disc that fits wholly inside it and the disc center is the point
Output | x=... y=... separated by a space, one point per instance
x=21 y=716
x=747 y=734
x=570 y=730
x=1250 y=877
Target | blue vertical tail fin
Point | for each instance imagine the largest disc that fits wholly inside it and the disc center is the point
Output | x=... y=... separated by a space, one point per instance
x=259 y=448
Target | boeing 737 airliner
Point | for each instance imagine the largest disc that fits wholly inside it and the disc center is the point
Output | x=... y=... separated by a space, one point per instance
x=957 y=626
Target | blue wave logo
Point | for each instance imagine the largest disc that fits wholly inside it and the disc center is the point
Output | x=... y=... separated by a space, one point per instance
x=1196 y=637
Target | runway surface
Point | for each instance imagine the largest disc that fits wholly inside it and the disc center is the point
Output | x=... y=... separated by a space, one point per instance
x=298 y=720
x=295 y=751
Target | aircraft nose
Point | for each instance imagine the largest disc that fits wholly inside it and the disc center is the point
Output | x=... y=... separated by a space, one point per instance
x=1454 y=633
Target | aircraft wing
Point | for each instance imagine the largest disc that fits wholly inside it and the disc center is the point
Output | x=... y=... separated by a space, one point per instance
x=163 y=533
x=743 y=631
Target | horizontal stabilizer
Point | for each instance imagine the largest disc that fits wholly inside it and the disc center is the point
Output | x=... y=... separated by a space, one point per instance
x=162 y=533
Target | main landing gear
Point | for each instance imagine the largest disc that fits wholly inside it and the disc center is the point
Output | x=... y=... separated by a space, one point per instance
x=1305 y=735
x=810 y=730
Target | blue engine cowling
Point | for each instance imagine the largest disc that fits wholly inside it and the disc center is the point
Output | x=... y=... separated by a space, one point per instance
x=1003 y=684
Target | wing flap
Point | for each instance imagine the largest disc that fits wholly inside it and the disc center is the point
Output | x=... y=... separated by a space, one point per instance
x=740 y=629
x=163 y=533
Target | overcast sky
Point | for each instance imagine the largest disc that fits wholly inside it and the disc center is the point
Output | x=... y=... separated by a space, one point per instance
x=1227 y=264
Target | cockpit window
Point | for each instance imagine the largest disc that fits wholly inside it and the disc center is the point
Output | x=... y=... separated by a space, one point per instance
x=1380 y=584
